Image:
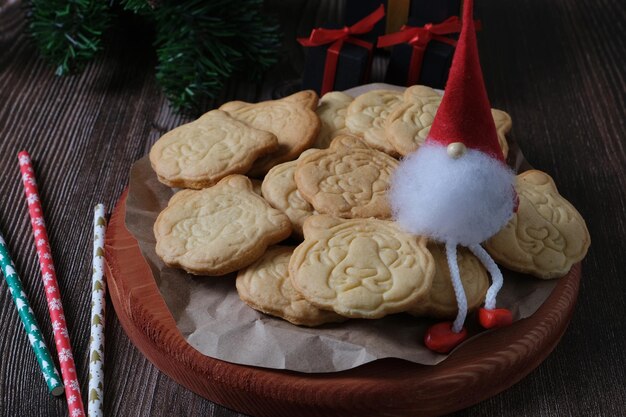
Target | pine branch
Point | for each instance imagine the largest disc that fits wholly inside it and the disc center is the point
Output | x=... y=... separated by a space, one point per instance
x=202 y=44
x=138 y=6
x=68 y=32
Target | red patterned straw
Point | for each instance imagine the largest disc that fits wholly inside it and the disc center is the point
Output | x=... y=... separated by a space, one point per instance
x=61 y=336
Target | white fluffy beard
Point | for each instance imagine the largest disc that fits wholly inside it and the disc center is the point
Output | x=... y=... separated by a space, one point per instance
x=464 y=201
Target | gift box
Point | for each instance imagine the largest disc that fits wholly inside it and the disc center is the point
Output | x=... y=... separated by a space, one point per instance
x=434 y=69
x=351 y=68
x=421 y=54
x=435 y=60
x=399 y=12
x=338 y=59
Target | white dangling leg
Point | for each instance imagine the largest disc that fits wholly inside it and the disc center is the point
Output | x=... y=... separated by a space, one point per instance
x=494 y=271
x=459 y=292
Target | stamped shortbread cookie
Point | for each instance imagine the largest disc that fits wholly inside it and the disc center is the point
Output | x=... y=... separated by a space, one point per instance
x=408 y=125
x=265 y=286
x=366 y=117
x=332 y=113
x=280 y=190
x=441 y=301
x=219 y=229
x=305 y=98
x=546 y=236
x=361 y=268
x=292 y=119
x=348 y=180
x=200 y=153
x=417 y=93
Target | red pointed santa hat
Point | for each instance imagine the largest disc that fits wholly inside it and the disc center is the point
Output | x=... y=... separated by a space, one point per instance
x=464 y=115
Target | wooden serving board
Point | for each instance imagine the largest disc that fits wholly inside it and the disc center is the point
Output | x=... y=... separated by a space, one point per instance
x=478 y=370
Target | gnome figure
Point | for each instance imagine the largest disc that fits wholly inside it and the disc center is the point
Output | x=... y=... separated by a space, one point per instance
x=456 y=188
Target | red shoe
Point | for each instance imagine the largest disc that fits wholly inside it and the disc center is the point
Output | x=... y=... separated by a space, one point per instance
x=498 y=317
x=440 y=337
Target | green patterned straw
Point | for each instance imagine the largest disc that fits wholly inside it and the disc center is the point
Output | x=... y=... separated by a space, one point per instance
x=46 y=364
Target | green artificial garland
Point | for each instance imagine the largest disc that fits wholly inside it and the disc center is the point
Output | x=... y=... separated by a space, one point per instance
x=68 y=33
x=199 y=44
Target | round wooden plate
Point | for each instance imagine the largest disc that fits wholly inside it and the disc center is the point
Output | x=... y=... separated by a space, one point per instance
x=480 y=369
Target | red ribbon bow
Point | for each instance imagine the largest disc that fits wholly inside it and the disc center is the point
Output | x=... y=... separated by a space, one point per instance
x=337 y=37
x=419 y=38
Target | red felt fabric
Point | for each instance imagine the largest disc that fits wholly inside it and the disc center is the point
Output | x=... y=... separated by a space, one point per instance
x=465 y=113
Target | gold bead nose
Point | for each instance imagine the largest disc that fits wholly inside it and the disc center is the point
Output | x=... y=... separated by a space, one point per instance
x=456 y=150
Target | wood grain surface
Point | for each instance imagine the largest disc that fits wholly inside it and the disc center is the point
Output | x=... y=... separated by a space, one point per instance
x=558 y=67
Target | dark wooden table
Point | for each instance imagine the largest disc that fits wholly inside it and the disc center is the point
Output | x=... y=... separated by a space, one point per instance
x=556 y=66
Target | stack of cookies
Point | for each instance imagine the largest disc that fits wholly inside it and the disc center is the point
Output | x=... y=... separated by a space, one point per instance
x=314 y=177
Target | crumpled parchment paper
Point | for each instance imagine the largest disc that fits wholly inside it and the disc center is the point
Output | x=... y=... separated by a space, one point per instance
x=212 y=318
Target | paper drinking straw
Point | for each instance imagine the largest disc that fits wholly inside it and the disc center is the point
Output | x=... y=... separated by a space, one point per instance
x=55 y=308
x=46 y=364
x=95 y=404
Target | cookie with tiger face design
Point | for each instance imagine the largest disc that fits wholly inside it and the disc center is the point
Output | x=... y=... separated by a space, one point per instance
x=348 y=180
x=546 y=236
x=366 y=117
x=361 y=268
